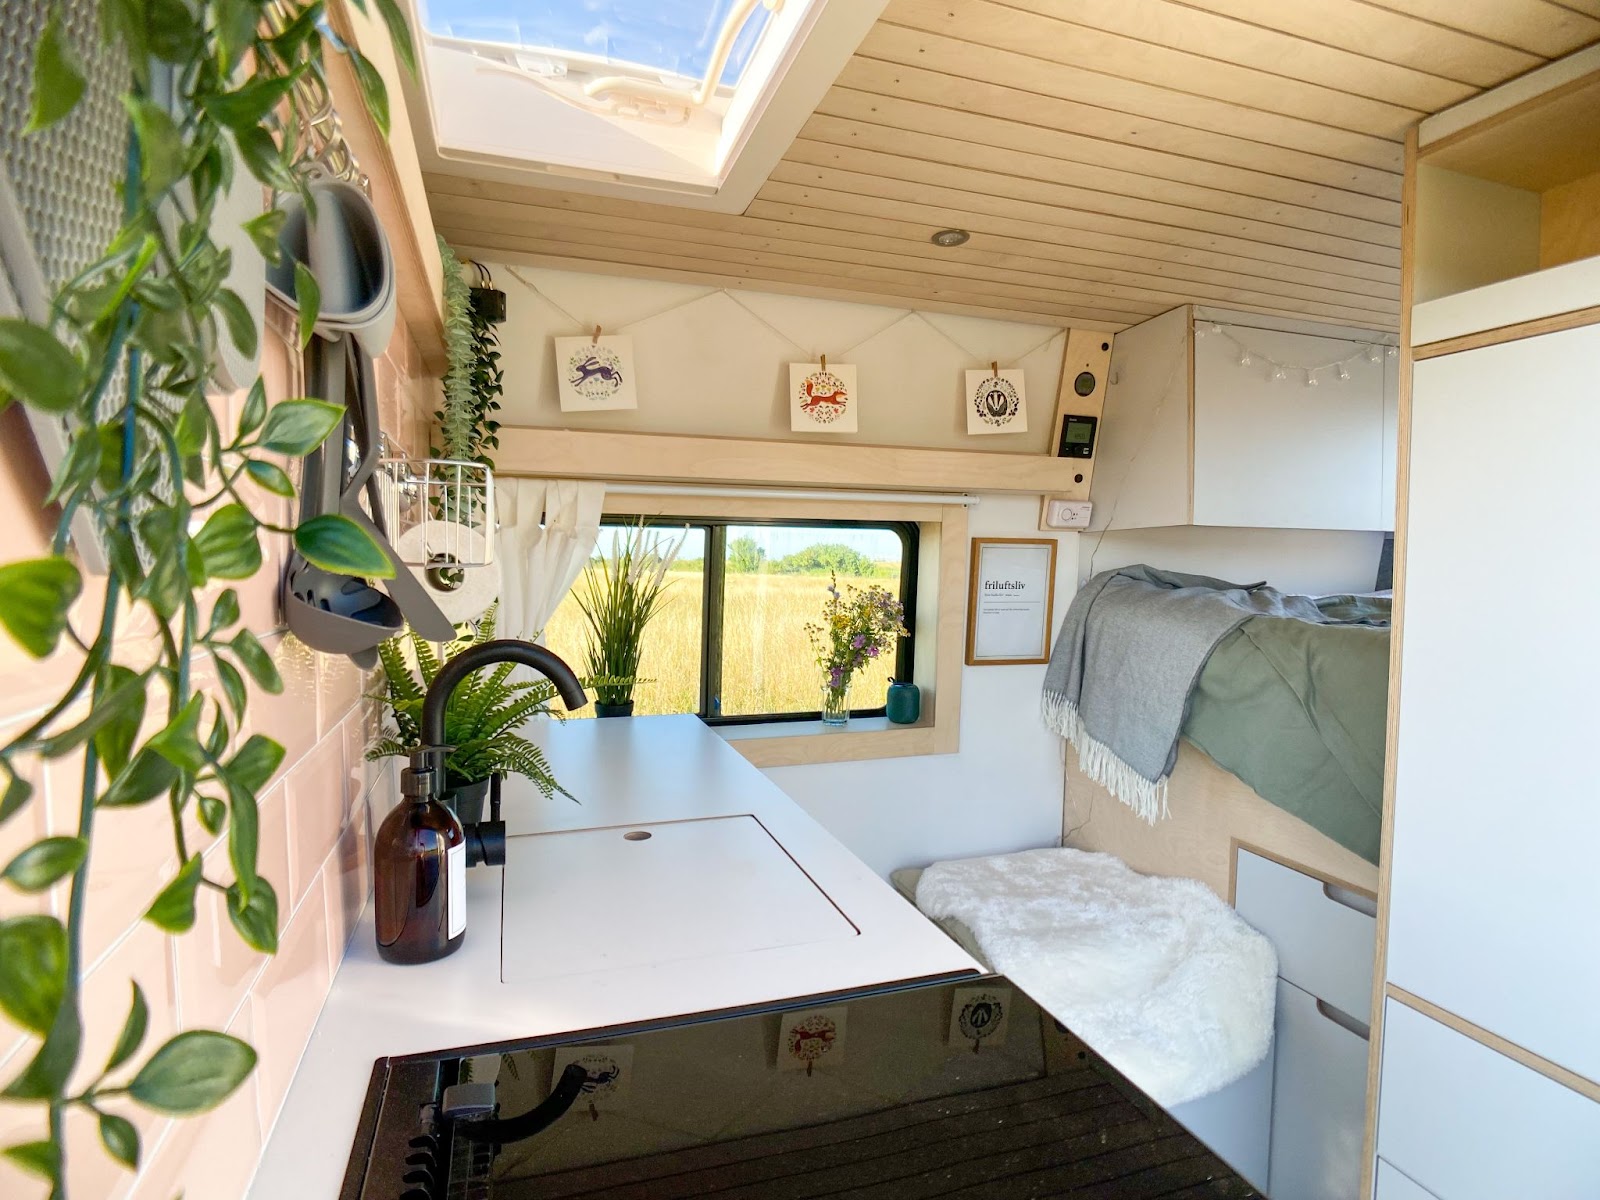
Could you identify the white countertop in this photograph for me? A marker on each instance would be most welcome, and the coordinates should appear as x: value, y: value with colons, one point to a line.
x: 626, y: 772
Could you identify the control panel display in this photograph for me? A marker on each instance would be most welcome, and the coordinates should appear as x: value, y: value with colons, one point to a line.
x: 1077, y: 437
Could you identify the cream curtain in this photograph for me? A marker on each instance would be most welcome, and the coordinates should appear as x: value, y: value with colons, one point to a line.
x: 548, y: 529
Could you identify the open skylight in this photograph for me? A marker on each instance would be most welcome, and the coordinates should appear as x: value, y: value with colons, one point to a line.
x: 672, y: 38
x: 693, y: 99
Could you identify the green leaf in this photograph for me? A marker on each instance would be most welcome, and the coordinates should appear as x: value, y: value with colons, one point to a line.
x: 193, y: 1072
x: 373, y: 91
x: 228, y: 545
x: 249, y: 104
x: 37, y: 369
x: 33, y: 970
x: 270, y: 477
x: 120, y: 1139
x: 47, y: 860
x: 108, y: 706
x: 37, y: 1158
x: 173, y: 909
x: 264, y: 231
x: 297, y: 427
x: 213, y: 814
x: 133, y: 1030
x: 241, y: 325
x: 232, y: 686
x: 114, y: 742
x: 141, y: 781
x: 255, y: 409
x: 161, y: 144
x: 255, y: 915
x: 35, y: 595
x: 48, y: 1071
x: 399, y: 34
x: 224, y: 612
x: 336, y: 543
x: 244, y: 838
x: 17, y: 792
x: 262, y: 158
x: 179, y: 742
x: 57, y: 82
x: 254, y: 659
x: 79, y: 468
x: 308, y: 299
x: 254, y: 762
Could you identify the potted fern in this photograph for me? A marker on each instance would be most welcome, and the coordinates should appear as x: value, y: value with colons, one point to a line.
x: 481, y: 721
x: 619, y: 595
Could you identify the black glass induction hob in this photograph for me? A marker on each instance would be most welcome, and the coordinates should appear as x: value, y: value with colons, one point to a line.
x: 963, y: 1090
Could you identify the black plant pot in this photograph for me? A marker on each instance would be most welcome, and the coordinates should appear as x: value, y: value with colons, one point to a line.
x: 625, y: 709
x: 466, y: 801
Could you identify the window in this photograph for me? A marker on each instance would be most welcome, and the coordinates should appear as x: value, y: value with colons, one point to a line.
x: 730, y: 643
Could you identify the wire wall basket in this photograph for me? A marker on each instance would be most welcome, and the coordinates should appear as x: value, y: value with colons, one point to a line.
x: 439, y: 511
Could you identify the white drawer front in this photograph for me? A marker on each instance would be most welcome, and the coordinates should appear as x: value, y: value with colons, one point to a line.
x: 1325, y: 945
x: 1468, y: 1123
x: 1319, y: 1101
x: 1394, y: 1185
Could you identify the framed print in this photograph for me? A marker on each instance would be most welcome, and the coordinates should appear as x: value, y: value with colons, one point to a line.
x: 1010, y: 601
x: 595, y: 373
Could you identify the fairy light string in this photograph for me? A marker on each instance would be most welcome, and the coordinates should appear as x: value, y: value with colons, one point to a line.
x: 1277, y: 370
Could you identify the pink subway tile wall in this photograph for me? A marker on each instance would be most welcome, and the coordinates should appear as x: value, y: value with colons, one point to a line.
x: 317, y: 818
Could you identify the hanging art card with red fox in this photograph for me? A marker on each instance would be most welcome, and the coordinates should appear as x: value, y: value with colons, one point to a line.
x: 822, y: 398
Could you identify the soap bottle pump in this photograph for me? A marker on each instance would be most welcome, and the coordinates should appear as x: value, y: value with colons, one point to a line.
x: 420, y: 856
x: 420, y: 870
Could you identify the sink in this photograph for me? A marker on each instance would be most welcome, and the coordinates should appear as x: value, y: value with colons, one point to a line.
x: 631, y: 895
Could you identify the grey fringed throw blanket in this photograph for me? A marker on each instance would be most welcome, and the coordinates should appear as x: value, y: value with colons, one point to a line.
x: 1125, y: 660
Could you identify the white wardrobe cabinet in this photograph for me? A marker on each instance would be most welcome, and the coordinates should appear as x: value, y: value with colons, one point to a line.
x: 1209, y: 420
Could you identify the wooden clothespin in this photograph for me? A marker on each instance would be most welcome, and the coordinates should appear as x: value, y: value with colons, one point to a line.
x: 824, y: 359
x: 994, y: 369
x: 595, y: 340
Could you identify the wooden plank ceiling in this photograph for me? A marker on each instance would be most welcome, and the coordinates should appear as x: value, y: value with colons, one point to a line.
x: 1111, y: 159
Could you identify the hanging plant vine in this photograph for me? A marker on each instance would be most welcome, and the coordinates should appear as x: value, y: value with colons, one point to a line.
x: 473, y: 380
x: 165, y: 487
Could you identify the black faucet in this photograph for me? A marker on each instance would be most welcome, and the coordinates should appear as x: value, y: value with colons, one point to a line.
x: 424, y: 778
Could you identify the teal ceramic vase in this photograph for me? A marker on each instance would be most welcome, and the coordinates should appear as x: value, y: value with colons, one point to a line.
x: 904, y: 705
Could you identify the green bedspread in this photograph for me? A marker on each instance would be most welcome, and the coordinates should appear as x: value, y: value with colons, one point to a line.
x: 1298, y: 711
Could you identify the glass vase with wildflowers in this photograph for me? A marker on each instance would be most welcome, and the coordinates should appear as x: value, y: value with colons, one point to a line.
x: 858, y: 625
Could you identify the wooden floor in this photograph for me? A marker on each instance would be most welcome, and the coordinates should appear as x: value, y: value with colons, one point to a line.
x: 1084, y: 1133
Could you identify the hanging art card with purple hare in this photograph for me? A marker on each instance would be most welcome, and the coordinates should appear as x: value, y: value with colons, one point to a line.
x: 595, y: 373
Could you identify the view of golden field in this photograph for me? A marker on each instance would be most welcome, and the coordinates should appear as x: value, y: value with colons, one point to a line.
x: 768, y: 664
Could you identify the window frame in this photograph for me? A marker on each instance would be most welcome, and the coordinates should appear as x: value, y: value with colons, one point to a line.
x: 712, y: 599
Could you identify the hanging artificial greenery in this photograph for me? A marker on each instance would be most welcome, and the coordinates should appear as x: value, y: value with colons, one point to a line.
x: 166, y: 489
x: 473, y: 379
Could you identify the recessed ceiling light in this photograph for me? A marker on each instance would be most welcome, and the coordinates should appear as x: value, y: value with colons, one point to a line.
x: 950, y: 237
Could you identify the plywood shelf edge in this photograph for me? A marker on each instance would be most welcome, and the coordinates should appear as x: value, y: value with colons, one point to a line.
x: 676, y: 458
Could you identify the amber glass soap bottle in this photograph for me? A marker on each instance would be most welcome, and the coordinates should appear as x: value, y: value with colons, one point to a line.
x: 419, y: 876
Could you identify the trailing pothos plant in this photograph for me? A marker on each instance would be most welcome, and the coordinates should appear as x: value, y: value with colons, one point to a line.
x: 123, y: 361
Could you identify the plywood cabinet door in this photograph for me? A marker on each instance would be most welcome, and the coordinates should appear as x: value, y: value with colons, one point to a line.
x: 1277, y: 454
x: 1319, y: 1100
x: 1494, y: 896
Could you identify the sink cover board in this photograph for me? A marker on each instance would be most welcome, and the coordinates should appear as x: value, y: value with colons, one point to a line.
x: 600, y: 899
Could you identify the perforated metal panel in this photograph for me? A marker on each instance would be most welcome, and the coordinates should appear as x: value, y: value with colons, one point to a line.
x: 65, y: 177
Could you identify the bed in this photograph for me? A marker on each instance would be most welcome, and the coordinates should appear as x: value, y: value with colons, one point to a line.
x: 1298, y: 711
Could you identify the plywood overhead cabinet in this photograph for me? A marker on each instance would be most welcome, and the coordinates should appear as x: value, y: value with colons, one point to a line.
x: 1485, y: 1074
x: 1224, y: 418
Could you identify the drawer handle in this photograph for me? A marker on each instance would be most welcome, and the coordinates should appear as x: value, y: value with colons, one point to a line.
x: 1345, y: 1021
x: 1360, y: 901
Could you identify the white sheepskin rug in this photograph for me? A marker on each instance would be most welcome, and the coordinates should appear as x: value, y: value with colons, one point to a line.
x: 1163, y: 979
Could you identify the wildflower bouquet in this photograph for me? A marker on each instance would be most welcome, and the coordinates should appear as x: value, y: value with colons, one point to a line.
x: 857, y: 626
